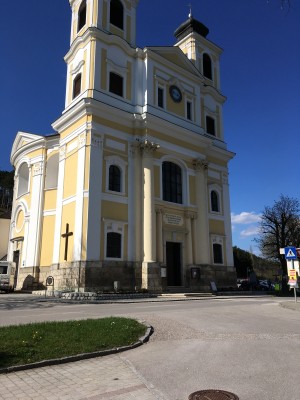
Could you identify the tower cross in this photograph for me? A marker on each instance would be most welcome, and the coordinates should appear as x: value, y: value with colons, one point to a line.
x: 190, y: 7
x: 66, y: 236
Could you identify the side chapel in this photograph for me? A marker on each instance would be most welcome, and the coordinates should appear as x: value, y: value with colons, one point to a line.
x: 131, y: 189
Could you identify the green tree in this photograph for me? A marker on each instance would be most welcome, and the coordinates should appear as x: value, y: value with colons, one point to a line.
x: 279, y: 228
x: 7, y: 179
x: 242, y: 262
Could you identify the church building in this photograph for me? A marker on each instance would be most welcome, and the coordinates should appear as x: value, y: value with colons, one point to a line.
x: 131, y: 190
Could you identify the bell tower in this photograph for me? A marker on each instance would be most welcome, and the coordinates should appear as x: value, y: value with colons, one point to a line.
x: 95, y: 25
x: 192, y: 39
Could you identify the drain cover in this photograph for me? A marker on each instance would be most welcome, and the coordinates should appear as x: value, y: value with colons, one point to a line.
x: 212, y: 395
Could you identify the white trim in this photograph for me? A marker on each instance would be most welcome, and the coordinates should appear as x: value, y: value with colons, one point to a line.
x: 117, y: 227
x: 49, y: 213
x: 217, y: 239
x: 121, y: 164
x: 215, y: 188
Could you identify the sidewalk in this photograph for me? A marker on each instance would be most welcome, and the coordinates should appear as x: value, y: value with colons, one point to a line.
x: 109, y: 378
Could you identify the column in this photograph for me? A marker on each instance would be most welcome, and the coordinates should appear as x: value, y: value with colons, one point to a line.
x: 149, y: 222
x: 93, y: 240
x: 189, y: 247
x: 159, y: 236
x: 79, y: 198
x: 59, y: 200
x: 36, y: 214
x: 202, y: 226
x: 227, y: 220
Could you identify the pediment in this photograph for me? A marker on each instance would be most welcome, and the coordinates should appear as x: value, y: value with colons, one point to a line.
x: 23, y: 139
x: 176, y: 57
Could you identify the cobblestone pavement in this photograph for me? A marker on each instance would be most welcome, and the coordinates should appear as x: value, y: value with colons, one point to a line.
x: 109, y: 378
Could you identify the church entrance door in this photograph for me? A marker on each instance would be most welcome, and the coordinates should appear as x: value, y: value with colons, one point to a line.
x: 173, y: 253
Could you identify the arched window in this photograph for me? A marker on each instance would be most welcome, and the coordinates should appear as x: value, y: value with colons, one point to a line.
x: 207, y: 66
x: 81, y: 15
x: 116, y: 84
x: 172, y: 182
x: 218, y: 253
x: 77, y: 86
x: 113, y: 245
x: 214, y: 201
x: 114, y: 178
x: 23, y: 179
x: 117, y: 13
x: 52, y: 172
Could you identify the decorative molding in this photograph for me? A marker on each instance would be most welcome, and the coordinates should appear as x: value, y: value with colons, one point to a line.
x: 62, y: 153
x: 200, y: 165
x: 77, y: 68
x: 225, y: 178
x: 82, y: 140
x: 96, y: 142
x: 38, y: 169
x: 147, y: 147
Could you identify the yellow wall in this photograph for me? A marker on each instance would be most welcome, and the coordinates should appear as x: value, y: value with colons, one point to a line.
x: 47, y: 240
x: 192, y: 183
x: 84, y: 227
x: 68, y: 216
x: 50, y: 199
x: 216, y: 227
x: 116, y: 211
x: 70, y: 182
x: 103, y: 69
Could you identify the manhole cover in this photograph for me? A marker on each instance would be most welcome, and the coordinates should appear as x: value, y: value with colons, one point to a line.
x: 212, y: 395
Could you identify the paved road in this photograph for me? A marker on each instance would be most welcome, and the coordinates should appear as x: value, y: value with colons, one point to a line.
x: 248, y: 346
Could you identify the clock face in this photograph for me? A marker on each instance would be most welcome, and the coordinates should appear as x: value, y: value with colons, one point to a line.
x: 175, y: 93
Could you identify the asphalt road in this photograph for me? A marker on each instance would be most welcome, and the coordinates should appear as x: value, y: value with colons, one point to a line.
x: 248, y: 346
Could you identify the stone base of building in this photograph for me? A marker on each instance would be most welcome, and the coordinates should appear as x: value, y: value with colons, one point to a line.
x: 108, y: 276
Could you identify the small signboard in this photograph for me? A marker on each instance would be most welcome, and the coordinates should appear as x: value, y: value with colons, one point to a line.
x: 292, y: 277
x: 290, y: 253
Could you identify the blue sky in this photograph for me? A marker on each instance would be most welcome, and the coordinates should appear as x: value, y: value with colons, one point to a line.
x: 260, y: 75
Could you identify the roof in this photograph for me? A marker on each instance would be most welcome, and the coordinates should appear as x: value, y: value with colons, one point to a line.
x: 189, y: 26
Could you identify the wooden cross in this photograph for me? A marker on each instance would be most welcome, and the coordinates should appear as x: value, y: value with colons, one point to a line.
x: 66, y: 236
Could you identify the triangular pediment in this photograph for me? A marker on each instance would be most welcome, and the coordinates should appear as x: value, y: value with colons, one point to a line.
x: 23, y: 139
x: 177, y: 57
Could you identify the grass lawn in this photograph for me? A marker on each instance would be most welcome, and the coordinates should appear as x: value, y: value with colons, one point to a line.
x: 25, y: 344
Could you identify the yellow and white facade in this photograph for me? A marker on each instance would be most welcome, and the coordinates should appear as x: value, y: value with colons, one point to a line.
x: 133, y: 185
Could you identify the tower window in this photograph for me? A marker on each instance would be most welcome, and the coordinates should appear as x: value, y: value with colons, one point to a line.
x: 116, y: 84
x: 218, y: 253
x: 210, y: 126
x: 113, y: 245
x: 114, y: 178
x: 172, y: 182
x: 189, y: 110
x: 207, y: 66
x: 81, y: 15
x: 77, y: 86
x: 214, y: 201
x: 117, y: 13
x: 160, y: 97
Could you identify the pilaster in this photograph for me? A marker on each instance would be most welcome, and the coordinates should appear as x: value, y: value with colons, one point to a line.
x: 202, y: 226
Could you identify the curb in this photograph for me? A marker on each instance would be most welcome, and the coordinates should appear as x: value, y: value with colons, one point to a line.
x: 79, y: 357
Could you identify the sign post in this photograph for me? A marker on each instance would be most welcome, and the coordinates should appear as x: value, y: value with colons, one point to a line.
x: 291, y: 254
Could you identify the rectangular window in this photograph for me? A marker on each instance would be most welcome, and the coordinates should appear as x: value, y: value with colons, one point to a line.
x: 116, y: 84
x: 218, y: 254
x: 189, y: 110
x: 113, y: 245
x: 160, y: 97
x: 210, y: 126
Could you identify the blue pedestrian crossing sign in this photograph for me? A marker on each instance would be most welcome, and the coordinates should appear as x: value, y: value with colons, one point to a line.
x: 290, y: 253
